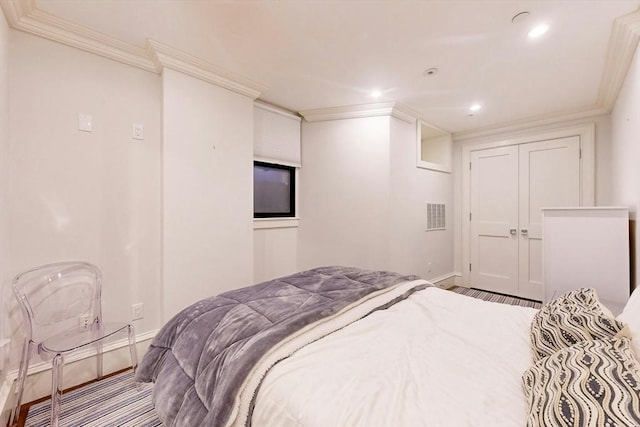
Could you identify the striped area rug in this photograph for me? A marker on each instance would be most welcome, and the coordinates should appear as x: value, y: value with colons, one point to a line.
x: 113, y: 401
x: 493, y: 297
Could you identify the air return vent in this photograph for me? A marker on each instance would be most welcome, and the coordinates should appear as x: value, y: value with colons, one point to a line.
x: 435, y: 216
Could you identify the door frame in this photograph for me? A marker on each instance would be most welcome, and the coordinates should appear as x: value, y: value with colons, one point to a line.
x: 586, y: 133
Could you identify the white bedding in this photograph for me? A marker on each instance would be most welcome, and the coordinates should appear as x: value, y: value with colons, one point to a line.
x: 436, y: 359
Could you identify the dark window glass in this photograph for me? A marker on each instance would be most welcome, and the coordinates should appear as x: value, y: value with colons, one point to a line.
x: 274, y: 189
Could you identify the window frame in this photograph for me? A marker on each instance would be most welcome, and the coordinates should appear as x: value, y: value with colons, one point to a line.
x: 291, y: 214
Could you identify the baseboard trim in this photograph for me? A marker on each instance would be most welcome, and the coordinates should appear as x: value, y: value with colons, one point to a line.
x: 85, y: 354
x: 41, y: 368
x: 5, y: 391
x: 446, y: 281
x: 458, y: 280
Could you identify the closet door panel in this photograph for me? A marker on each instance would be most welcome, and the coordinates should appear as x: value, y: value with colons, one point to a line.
x: 494, y: 219
x: 549, y: 176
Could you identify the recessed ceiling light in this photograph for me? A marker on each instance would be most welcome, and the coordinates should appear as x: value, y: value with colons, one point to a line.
x: 430, y: 72
x: 538, y: 30
x: 376, y: 94
x: 520, y: 17
x: 475, y: 107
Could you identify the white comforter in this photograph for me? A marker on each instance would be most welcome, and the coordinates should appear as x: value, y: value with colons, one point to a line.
x: 436, y: 359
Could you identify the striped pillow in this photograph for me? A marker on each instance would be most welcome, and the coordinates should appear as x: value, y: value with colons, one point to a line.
x: 592, y: 383
x: 574, y: 317
x: 585, y: 298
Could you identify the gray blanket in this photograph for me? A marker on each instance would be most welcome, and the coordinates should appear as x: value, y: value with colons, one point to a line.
x: 200, y: 359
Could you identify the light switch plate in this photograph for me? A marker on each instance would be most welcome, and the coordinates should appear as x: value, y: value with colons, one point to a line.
x: 84, y: 122
x: 137, y: 311
x: 138, y: 131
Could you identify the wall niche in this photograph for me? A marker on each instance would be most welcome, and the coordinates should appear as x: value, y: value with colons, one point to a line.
x: 434, y: 148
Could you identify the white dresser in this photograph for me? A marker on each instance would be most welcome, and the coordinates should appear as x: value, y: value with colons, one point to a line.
x: 587, y: 248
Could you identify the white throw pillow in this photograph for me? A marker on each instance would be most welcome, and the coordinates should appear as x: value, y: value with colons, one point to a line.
x: 631, y: 316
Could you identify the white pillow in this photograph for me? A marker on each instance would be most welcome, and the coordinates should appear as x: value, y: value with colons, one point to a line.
x: 631, y: 316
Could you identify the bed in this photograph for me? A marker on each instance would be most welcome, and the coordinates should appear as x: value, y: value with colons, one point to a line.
x: 339, y: 346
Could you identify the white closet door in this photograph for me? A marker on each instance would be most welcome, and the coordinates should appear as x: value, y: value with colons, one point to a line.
x: 494, y: 219
x: 549, y: 174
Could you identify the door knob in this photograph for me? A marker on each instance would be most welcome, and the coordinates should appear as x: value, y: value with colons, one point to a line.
x: 513, y: 231
x: 524, y: 231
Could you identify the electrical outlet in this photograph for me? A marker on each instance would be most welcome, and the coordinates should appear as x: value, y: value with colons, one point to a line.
x: 137, y: 311
x: 84, y: 321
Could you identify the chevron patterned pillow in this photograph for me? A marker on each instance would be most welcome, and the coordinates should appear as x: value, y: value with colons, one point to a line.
x: 592, y: 383
x: 574, y: 317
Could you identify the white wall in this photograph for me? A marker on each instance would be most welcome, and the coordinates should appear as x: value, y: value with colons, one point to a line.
x: 428, y: 254
x: 4, y: 141
x: 345, y: 203
x: 364, y: 199
x: 275, y: 253
x: 207, y: 190
x: 625, y: 150
x: 78, y: 195
x: 276, y: 138
x: 99, y: 196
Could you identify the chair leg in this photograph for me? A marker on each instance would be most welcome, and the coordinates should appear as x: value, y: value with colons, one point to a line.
x: 134, y: 356
x: 56, y: 389
x: 22, y: 374
x: 132, y: 348
x: 99, y: 358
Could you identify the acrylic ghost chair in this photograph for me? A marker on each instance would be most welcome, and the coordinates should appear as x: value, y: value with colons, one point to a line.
x: 61, y: 307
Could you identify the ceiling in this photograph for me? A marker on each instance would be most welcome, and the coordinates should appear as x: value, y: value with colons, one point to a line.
x: 316, y: 54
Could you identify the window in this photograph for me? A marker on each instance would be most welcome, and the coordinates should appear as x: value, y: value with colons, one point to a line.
x: 274, y: 189
x: 434, y: 148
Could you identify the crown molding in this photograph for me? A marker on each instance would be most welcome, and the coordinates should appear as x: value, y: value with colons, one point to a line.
x: 164, y: 56
x: 348, y: 112
x: 623, y: 44
x: 531, y: 122
x: 404, y: 113
x: 263, y: 105
x: 24, y: 15
x: 360, y: 111
x: 13, y: 10
x: 622, y: 47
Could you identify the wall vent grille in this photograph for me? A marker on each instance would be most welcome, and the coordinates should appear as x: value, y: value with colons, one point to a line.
x: 436, y: 216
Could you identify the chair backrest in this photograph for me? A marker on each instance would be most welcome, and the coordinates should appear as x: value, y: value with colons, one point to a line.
x: 54, y: 297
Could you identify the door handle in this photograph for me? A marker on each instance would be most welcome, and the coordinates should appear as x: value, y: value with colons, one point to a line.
x: 524, y: 231
x: 513, y: 231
